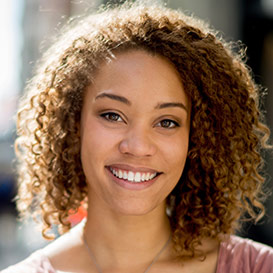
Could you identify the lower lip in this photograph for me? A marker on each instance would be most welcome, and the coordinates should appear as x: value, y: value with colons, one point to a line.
x: 132, y: 185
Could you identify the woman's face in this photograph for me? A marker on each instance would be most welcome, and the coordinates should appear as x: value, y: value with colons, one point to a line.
x: 134, y: 133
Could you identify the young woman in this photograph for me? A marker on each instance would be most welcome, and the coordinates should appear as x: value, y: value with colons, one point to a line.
x: 152, y: 122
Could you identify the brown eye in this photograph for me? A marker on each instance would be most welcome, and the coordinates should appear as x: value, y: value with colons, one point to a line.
x: 111, y: 116
x: 168, y: 124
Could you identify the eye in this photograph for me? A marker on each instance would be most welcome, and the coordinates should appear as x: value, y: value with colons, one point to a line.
x: 168, y: 124
x: 111, y: 116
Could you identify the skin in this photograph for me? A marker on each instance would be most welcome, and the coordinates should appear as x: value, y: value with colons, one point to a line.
x: 135, y: 117
x: 137, y: 140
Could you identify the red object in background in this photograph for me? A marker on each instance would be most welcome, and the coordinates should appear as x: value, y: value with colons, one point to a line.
x: 77, y: 217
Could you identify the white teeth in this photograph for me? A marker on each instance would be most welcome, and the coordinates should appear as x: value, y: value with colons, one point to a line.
x: 137, y: 177
x: 153, y: 176
x: 143, y: 176
x: 125, y: 176
x: 147, y: 177
x: 131, y: 176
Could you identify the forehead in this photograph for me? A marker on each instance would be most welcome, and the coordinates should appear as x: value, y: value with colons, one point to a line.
x: 137, y: 72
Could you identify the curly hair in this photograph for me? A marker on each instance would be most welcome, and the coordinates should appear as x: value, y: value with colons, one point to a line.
x: 221, y: 182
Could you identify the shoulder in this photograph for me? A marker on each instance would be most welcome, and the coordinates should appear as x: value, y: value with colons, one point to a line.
x: 35, y: 263
x: 240, y: 255
x: 56, y: 257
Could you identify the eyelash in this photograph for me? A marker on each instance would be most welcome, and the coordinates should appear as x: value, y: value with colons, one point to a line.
x: 174, y: 123
x: 107, y: 116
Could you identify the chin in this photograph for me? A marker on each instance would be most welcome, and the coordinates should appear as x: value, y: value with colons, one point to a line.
x: 135, y: 209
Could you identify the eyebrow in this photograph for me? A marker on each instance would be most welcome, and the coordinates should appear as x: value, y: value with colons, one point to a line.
x: 113, y: 97
x: 127, y: 102
x: 171, y: 104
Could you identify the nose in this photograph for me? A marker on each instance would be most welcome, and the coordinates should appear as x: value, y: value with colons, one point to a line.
x: 137, y: 142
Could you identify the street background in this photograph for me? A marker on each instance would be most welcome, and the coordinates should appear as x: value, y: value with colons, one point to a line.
x: 25, y: 26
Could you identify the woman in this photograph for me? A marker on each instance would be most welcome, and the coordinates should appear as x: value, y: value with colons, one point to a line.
x: 147, y: 118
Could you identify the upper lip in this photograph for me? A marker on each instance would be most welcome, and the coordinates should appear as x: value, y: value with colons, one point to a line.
x: 132, y: 168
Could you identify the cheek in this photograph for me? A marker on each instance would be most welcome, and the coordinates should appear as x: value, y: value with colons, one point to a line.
x: 94, y: 149
x: 96, y: 142
x: 175, y: 154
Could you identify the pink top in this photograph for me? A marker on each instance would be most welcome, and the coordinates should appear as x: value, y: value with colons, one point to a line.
x: 237, y: 255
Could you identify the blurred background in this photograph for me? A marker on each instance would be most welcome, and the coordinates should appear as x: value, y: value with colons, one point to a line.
x: 26, y: 24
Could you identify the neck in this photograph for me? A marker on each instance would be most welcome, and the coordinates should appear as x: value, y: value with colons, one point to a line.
x: 122, y: 239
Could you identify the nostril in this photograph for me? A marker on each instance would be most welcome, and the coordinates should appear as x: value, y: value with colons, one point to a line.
x: 137, y: 146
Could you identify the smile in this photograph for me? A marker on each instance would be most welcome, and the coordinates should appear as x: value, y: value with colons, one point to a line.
x: 135, y: 177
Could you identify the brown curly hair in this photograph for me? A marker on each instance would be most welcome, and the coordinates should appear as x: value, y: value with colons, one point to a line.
x: 221, y: 182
